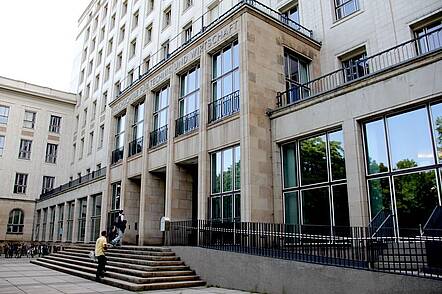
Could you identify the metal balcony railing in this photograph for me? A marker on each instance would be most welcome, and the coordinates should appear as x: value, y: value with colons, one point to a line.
x: 136, y: 146
x: 224, y: 107
x: 187, y: 123
x: 100, y: 173
x: 158, y: 137
x: 117, y: 155
x: 199, y: 26
x: 361, y: 68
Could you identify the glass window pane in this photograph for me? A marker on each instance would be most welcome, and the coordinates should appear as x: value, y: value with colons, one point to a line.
x: 337, y: 157
x: 216, y: 207
x: 376, y: 147
x: 227, y: 85
x: 315, y: 207
x: 227, y: 207
x: 340, y: 205
x: 235, y: 80
x: 216, y: 172
x: 410, y: 141
x: 238, y: 206
x: 289, y: 165
x: 416, y: 197
x: 291, y: 208
x: 313, y: 160
x: 227, y: 60
x: 379, y: 194
x: 235, y: 55
x: 227, y: 170
x: 436, y: 113
x: 237, y: 168
x: 216, y: 65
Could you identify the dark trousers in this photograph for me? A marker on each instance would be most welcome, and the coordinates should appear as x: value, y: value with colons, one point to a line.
x: 101, y: 266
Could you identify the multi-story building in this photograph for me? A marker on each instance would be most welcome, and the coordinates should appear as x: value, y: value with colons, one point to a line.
x: 35, y: 132
x: 302, y: 112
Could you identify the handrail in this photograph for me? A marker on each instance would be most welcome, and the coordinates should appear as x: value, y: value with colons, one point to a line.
x: 375, y: 63
x: 158, y: 57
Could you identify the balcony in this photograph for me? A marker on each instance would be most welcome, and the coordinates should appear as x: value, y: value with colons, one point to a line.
x: 199, y: 26
x: 187, y: 123
x: 98, y: 174
x: 136, y: 146
x: 117, y: 155
x: 158, y: 137
x: 362, y: 68
x: 223, y: 107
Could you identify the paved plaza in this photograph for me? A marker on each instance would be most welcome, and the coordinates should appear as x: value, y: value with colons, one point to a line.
x: 19, y: 276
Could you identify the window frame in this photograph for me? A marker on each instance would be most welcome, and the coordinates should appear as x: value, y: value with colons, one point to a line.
x: 55, y: 124
x: 20, y: 183
x: 14, y: 227
x: 29, y: 124
x: 4, y: 114
x: 25, y: 149
x: 51, y: 153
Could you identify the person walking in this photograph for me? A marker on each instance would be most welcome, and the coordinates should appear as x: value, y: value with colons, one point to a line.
x: 120, y: 224
x: 100, y: 248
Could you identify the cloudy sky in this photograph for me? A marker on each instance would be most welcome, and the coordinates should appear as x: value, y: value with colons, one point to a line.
x: 37, y: 40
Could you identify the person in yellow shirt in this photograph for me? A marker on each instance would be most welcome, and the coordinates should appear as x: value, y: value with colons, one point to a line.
x: 100, y: 248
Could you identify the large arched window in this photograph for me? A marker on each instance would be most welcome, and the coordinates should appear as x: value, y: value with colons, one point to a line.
x: 15, y: 222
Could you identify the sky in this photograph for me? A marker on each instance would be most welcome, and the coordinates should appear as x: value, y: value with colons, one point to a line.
x: 37, y: 40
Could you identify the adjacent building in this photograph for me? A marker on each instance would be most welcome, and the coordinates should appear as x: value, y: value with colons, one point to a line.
x: 35, y: 131
x: 320, y: 113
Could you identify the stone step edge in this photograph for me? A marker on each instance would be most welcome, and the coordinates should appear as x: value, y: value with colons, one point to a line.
x: 112, y: 253
x: 153, y: 268
x: 127, y: 247
x: 124, y: 251
x: 129, y: 260
x: 123, y: 284
x: 119, y: 269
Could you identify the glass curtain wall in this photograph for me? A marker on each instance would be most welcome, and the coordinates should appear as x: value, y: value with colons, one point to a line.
x: 82, y: 219
x: 225, y: 198
x: 403, y: 154
x: 188, y: 102
x: 60, y: 222
x: 70, y: 220
x: 314, y: 182
x: 52, y: 223
x: 95, y: 217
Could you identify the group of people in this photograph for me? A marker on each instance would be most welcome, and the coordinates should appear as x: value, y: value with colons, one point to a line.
x: 19, y: 250
x: 116, y: 234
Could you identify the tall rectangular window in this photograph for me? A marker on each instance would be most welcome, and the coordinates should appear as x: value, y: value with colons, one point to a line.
x: 188, y: 102
x: 20, y: 184
x: 51, y: 153
x: 110, y: 46
x: 48, y: 184
x: 96, y: 216
x: 84, y: 117
x: 345, y: 7
x: 2, y: 145
x: 124, y: 8
x: 101, y: 137
x: 355, y: 65
x: 116, y: 193
x: 136, y: 146
x: 97, y: 82
x: 429, y: 36
x: 70, y: 220
x: 122, y: 33
x: 135, y: 19
x: 45, y: 220
x: 94, y: 110
x: 112, y: 21
x: 91, y: 142
x: 118, y: 153
x: 146, y: 64
x: 296, y: 74
x: 55, y: 124
x: 104, y: 102
x: 25, y: 149
x: 148, y: 34
x: 133, y: 48
x: 160, y: 117
x: 4, y: 114
x: 165, y: 49
x: 314, y: 182
x: 291, y: 17
x: 167, y: 17
x: 225, y: 197
x: 107, y: 73
x: 29, y: 119
x: 119, y: 61
x: 187, y: 33
x: 225, y: 82
x: 82, y: 218
x: 187, y: 4
x: 80, y: 156
x: 60, y: 221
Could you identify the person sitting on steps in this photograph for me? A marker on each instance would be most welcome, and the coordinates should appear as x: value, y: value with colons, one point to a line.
x: 120, y: 224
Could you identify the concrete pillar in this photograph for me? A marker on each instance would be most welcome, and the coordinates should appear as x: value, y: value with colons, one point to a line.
x: 87, y: 232
x: 65, y: 223
x: 55, y: 233
x: 41, y: 233
x: 75, y: 221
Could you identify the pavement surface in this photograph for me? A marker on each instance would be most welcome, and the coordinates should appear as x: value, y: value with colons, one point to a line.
x: 17, y: 275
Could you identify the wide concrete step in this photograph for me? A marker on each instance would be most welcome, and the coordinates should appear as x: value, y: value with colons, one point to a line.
x: 128, y: 260
x: 123, y: 269
x: 120, y: 276
x: 127, y: 247
x: 121, y: 283
x: 126, y: 265
x: 126, y: 254
x: 123, y: 250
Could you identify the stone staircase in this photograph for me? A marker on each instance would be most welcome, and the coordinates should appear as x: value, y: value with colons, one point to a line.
x: 135, y: 268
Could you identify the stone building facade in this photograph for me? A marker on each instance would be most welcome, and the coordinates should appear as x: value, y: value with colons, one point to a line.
x: 35, y: 130
x: 262, y: 111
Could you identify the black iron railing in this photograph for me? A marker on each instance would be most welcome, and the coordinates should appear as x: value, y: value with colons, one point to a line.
x: 352, y: 247
x: 361, y: 68
x: 187, y: 123
x: 199, y: 26
x: 224, y: 106
x: 100, y: 173
x: 117, y: 155
x: 158, y: 137
x: 136, y: 146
